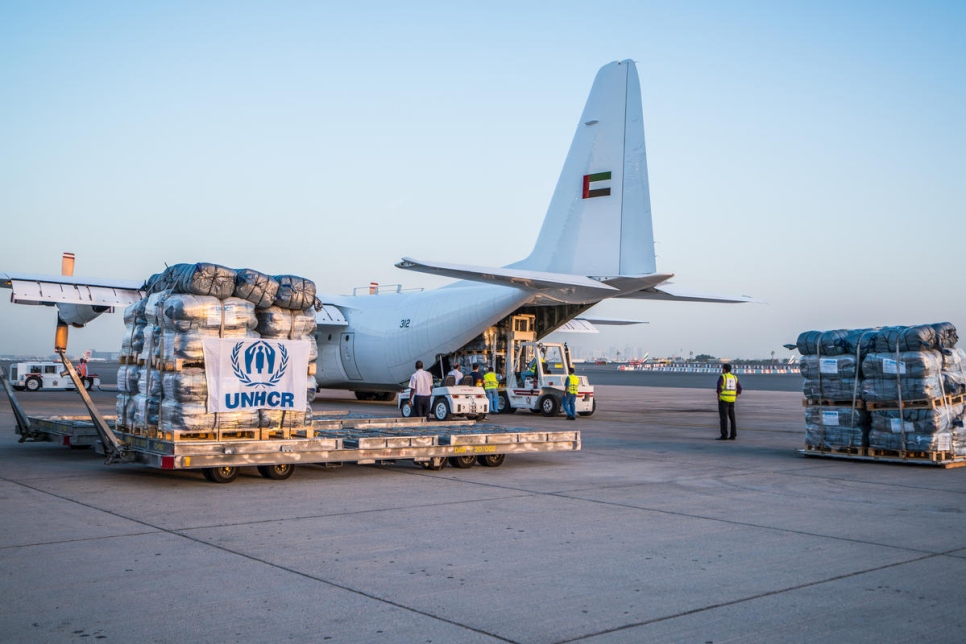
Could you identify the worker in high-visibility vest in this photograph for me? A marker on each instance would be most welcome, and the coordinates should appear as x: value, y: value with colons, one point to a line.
x: 491, y: 385
x: 570, y: 396
x: 728, y: 391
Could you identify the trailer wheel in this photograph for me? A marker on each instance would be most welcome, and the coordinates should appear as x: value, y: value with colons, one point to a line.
x: 593, y: 408
x: 32, y: 384
x: 225, y: 474
x: 88, y: 383
x: 505, y: 407
x: 435, y: 463
x: 549, y: 406
x: 278, y: 472
x: 462, y: 462
x: 406, y: 410
x: 491, y: 460
x: 441, y: 409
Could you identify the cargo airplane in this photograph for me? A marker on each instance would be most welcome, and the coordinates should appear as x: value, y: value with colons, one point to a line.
x: 596, y: 243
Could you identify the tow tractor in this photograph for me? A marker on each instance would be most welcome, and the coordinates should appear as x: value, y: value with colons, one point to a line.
x: 451, y: 400
x: 34, y: 376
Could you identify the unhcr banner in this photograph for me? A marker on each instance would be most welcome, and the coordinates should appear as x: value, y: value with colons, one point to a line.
x: 256, y: 374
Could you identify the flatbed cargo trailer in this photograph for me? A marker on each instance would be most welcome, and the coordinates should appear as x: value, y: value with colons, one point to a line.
x: 333, y: 438
x: 334, y: 441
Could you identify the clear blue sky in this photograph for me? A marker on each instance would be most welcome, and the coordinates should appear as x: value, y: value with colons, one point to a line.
x: 808, y: 154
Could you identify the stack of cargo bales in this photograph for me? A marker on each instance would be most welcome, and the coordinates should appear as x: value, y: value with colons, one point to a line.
x: 830, y: 365
x: 913, y: 386
x: 186, y: 304
x: 280, y: 323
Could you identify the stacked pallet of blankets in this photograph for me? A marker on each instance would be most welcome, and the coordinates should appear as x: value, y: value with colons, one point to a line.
x: 893, y: 389
x: 204, y: 353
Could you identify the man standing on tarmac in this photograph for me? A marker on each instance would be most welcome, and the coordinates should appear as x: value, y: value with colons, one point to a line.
x: 570, y: 397
x: 728, y: 391
x: 490, y: 385
x: 420, y: 391
x: 476, y: 375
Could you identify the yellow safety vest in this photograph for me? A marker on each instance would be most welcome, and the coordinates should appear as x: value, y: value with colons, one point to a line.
x: 729, y: 387
x: 490, y: 381
x: 572, y: 382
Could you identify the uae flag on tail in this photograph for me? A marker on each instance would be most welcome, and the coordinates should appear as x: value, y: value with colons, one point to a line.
x: 597, y: 185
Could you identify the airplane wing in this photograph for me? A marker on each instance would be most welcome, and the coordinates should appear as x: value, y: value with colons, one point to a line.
x: 672, y: 293
x: 31, y: 288
x: 610, y: 321
x: 589, y: 325
x: 535, y: 280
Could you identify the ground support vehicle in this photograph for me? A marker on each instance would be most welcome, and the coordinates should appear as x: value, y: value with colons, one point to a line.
x: 536, y: 374
x: 464, y: 401
x: 34, y: 376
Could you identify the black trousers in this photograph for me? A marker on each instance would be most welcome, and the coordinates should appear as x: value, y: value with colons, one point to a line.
x: 421, y: 406
x: 726, y: 412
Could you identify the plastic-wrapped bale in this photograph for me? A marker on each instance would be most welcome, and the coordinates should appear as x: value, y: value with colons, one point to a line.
x: 814, y: 367
x: 921, y: 337
x: 189, y: 347
x: 187, y: 313
x: 911, y: 441
x: 914, y: 376
x: 946, y: 335
x: 149, y: 381
x: 295, y: 293
x: 836, y: 427
x: 836, y: 342
x: 284, y: 420
x: 127, y: 378
x: 910, y: 364
x: 124, y: 408
x: 831, y: 389
x: 286, y: 324
x: 186, y: 386
x: 918, y: 421
x: 954, y: 371
x: 203, y: 279
x: 134, y: 323
x: 280, y: 323
x: 194, y: 417
x: 959, y: 441
x: 145, y: 411
x: 258, y: 288
x: 886, y: 390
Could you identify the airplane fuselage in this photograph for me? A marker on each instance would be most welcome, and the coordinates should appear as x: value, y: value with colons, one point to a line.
x: 386, y: 334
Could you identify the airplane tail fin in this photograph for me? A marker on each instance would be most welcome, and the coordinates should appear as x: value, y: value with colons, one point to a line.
x: 599, y: 220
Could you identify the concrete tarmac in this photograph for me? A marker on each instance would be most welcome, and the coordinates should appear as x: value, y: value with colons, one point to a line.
x: 654, y: 532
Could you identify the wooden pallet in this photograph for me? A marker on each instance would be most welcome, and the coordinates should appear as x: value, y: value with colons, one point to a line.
x: 855, y: 450
x: 911, y: 455
x: 176, y: 435
x: 824, y: 402
x: 175, y: 364
x: 946, y: 460
x: 928, y: 403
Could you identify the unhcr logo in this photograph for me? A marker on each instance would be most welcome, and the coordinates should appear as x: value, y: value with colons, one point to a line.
x: 260, y: 366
